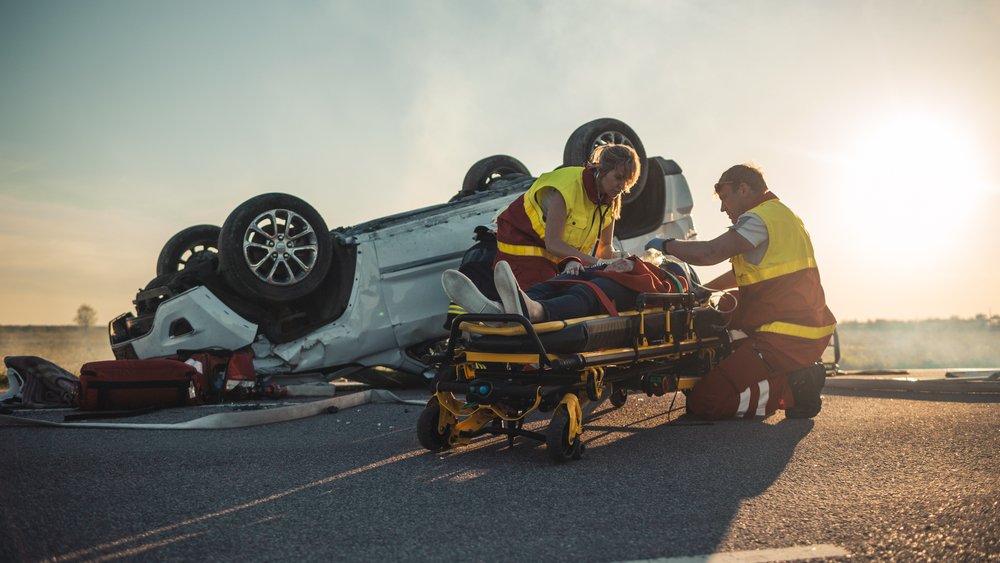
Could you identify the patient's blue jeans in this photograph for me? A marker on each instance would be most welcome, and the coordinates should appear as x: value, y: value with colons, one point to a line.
x: 568, y: 301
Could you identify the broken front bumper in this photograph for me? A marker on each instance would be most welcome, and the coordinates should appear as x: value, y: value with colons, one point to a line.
x: 193, y: 320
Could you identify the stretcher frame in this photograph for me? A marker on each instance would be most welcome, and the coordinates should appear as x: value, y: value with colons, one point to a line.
x: 479, y: 391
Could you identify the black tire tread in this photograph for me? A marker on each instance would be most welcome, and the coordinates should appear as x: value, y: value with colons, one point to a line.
x: 478, y: 177
x: 169, y: 259
x: 581, y: 143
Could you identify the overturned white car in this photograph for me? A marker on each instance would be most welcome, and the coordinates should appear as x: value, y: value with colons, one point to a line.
x: 312, y: 302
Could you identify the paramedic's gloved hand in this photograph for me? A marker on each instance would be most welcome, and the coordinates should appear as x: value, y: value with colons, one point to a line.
x: 657, y: 244
x: 573, y: 268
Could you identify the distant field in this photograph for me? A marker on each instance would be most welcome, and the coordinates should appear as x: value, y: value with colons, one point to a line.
x: 69, y: 347
x: 953, y: 343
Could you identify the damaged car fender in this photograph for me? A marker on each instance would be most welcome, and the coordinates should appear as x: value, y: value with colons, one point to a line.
x: 193, y: 320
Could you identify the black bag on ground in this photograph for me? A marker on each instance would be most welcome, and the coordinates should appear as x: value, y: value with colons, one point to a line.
x: 36, y: 382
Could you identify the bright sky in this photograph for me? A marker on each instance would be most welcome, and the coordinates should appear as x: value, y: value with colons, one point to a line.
x: 122, y: 122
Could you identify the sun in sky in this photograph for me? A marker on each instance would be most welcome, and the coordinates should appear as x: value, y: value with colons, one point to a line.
x: 909, y: 174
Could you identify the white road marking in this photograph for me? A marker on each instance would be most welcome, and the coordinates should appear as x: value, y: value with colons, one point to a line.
x: 797, y: 553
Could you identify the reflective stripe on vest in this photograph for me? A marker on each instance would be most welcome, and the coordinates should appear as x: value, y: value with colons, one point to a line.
x: 761, y: 274
x: 526, y: 250
x: 802, y: 331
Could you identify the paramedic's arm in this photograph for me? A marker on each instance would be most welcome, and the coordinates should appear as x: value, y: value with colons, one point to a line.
x: 604, y: 248
x: 555, y: 224
x: 708, y: 252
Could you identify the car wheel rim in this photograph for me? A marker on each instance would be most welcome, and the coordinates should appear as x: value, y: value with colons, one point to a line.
x: 197, y: 254
x: 496, y: 174
x: 280, y: 247
x: 611, y: 138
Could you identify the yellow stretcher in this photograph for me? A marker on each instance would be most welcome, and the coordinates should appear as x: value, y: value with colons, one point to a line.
x: 490, y: 379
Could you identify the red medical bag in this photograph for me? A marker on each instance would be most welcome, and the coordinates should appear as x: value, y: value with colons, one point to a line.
x: 134, y: 384
x: 228, y: 374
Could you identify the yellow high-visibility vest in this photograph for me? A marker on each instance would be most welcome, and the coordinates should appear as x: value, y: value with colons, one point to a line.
x: 782, y: 294
x: 583, y: 217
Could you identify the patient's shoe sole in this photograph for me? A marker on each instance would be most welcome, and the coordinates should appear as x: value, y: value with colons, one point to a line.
x: 510, y: 292
x: 463, y: 292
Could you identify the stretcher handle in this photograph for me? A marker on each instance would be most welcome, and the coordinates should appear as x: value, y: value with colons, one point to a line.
x: 661, y: 299
x: 456, y: 323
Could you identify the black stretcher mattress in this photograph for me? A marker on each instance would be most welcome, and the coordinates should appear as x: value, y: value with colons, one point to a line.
x: 607, y: 332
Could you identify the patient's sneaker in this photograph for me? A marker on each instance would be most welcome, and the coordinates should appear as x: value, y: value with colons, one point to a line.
x: 807, y: 384
x: 510, y: 292
x: 462, y: 291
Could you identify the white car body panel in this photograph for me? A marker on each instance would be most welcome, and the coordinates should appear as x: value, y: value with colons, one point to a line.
x: 363, y: 326
x: 213, y: 323
x: 412, y: 292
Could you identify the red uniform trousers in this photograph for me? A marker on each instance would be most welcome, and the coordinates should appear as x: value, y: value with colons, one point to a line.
x: 752, y: 380
x: 529, y: 270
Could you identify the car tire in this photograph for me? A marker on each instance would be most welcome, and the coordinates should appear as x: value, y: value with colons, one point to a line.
x: 274, y: 247
x: 194, y: 244
x: 644, y: 213
x: 482, y: 174
x: 605, y: 131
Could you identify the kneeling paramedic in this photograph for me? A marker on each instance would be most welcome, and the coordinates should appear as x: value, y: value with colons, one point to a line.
x: 780, y: 305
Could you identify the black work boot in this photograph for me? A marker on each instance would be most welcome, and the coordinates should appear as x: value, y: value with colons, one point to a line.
x: 806, y: 383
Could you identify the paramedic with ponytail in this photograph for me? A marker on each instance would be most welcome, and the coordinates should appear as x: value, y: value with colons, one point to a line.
x: 780, y: 305
x: 567, y: 213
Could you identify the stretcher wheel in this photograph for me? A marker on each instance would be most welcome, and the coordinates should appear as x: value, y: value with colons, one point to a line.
x: 593, y: 389
x: 557, y: 439
x: 427, y: 429
x: 619, y: 396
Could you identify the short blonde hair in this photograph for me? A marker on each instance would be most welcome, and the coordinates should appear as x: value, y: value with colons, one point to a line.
x: 606, y: 158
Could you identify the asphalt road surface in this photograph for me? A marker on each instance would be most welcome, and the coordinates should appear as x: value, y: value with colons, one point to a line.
x: 874, y: 477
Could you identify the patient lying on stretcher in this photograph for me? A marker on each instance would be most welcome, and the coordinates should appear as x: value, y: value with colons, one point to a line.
x: 599, y: 290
